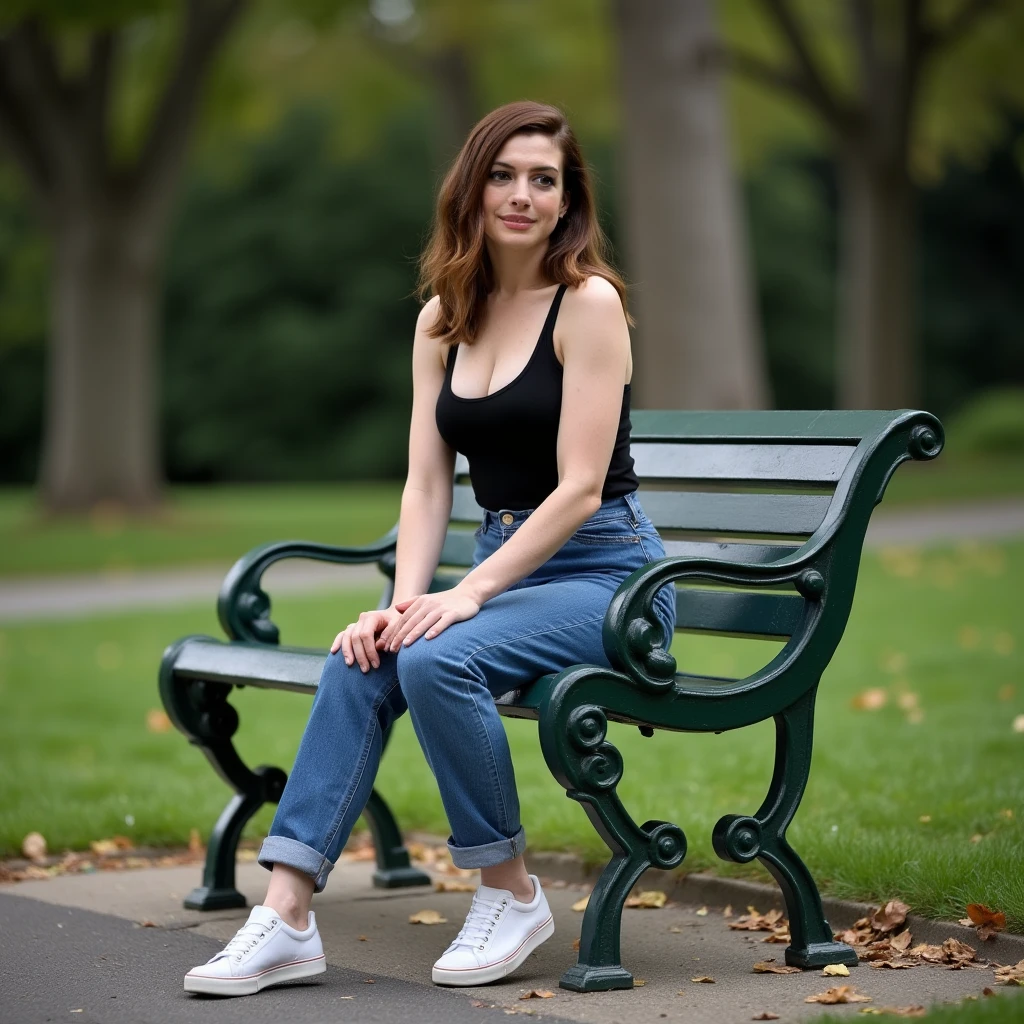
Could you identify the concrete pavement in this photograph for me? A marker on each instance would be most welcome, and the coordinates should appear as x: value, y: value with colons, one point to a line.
x: 115, y: 946
x: 56, y: 597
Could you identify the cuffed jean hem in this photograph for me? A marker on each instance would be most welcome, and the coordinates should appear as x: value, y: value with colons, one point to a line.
x: 488, y: 855
x: 292, y: 853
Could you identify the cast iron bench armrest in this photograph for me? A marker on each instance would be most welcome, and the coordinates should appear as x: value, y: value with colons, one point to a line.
x: 633, y: 640
x: 243, y: 607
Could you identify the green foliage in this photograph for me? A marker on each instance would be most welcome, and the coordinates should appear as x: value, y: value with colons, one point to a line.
x: 990, y: 424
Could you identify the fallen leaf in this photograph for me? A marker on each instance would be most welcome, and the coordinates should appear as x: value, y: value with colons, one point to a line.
x: 369, y: 981
x: 703, y: 980
x: 106, y: 847
x: 675, y: 929
x: 870, y: 700
x: 650, y: 899
x: 728, y: 910
x: 538, y: 993
x: 890, y: 916
x: 478, y: 1003
x: 195, y: 842
x: 988, y: 922
x: 894, y: 965
x: 1006, y: 692
x: 908, y: 701
x: 752, y: 921
x: 765, y: 1015
x: 445, y: 885
x: 977, y: 837
x: 986, y: 992
x: 363, y: 938
x: 836, y: 971
x: 427, y: 917
x: 903, y: 1011
x: 703, y: 912
x: 1018, y: 724
x: 767, y: 967
x: 841, y: 994
x: 147, y: 924
x: 1006, y: 812
x: 1012, y: 974
x: 576, y: 945
x: 580, y: 905
x: 924, y: 819
x: 901, y: 942
x: 639, y: 981
x: 157, y: 720
x: 33, y: 846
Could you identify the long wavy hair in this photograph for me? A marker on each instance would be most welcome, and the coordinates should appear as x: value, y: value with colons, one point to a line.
x: 455, y: 264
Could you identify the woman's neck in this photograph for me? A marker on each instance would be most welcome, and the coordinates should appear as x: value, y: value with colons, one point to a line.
x: 516, y: 271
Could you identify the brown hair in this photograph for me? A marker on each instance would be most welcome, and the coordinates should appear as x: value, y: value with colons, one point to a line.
x: 455, y: 264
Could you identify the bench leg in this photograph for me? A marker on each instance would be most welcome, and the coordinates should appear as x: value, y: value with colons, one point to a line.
x: 741, y: 838
x: 393, y: 868
x: 590, y: 768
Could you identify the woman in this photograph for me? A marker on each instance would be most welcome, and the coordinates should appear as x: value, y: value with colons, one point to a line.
x: 521, y: 361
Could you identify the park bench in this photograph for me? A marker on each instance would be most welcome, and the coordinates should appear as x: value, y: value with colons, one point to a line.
x: 763, y: 515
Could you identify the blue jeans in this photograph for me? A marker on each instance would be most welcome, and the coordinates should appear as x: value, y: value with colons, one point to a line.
x: 544, y: 623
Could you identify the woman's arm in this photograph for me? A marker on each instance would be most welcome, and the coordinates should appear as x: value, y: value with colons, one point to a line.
x: 427, y: 496
x: 595, y: 357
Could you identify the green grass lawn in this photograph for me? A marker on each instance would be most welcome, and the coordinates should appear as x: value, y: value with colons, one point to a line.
x: 922, y: 798
x: 218, y: 524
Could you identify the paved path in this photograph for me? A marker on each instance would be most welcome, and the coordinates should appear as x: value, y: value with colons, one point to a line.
x: 75, y: 943
x: 55, y: 597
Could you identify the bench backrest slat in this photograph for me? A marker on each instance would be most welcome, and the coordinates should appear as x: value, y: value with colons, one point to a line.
x: 774, y: 463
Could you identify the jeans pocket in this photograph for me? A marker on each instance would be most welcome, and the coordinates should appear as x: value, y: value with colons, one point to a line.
x: 609, y: 530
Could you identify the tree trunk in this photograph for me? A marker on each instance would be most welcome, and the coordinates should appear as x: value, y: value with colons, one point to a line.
x: 698, y: 342
x: 877, y: 359
x: 101, y: 436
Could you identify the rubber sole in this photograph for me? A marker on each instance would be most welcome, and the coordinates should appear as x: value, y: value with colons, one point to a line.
x: 495, y: 972
x: 255, y: 982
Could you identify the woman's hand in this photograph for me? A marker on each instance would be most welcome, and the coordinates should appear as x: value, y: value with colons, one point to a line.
x: 356, y: 640
x: 428, y: 614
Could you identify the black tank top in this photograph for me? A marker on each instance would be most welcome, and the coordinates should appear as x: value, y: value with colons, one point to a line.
x: 509, y: 437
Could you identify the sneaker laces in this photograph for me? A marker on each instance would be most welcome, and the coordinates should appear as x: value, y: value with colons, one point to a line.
x: 247, y: 937
x: 480, y: 921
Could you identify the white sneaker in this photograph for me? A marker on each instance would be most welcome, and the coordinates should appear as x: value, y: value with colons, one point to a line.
x: 499, y: 934
x: 265, y: 951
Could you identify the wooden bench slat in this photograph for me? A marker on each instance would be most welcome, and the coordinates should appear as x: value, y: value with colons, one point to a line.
x: 732, y: 613
x: 785, y: 514
x: 775, y: 463
x: 759, y: 426
x: 726, y: 551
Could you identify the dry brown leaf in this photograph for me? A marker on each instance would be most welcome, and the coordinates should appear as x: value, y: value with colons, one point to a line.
x: 580, y: 905
x: 703, y: 912
x: 369, y: 981
x: 157, y: 720
x: 840, y: 994
x: 767, y: 967
x: 765, y: 1015
x: 728, y: 910
x: 836, y: 971
x: 33, y: 846
x: 576, y: 945
x: 195, y: 842
x: 890, y: 916
x: 988, y: 922
x: 901, y: 942
x: 538, y: 993
x: 752, y: 921
x: 894, y: 965
x: 903, y: 1011
x: 147, y: 924
x: 703, y: 980
x: 447, y: 885
x: 427, y: 917
x: 1012, y: 974
x: 870, y: 700
x: 106, y: 847
x: 675, y: 929
x: 639, y: 981
x: 650, y: 899
x: 363, y: 938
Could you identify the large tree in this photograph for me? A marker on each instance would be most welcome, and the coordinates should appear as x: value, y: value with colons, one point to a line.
x: 106, y: 214
x: 866, y: 80
x: 698, y: 340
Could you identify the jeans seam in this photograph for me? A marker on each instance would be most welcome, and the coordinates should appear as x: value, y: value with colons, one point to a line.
x: 493, y: 766
x: 357, y: 774
x: 525, y: 636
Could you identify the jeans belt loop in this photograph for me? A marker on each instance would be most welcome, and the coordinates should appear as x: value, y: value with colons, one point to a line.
x: 632, y: 503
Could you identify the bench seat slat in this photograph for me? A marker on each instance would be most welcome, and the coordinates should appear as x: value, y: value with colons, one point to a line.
x: 733, y: 613
x: 728, y: 552
x: 278, y: 668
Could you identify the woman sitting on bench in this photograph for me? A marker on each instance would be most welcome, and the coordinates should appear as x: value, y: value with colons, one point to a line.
x: 521, y: 361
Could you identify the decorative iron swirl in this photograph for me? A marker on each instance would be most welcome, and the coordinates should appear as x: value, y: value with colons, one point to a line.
x: 587, y: 728
x: 667, y: 844
x: 214, y: 718
x: 737, y: 837
x: 600, y: 770
x: 811, y: 584
x: 252, y: 609
x: 925, y: 443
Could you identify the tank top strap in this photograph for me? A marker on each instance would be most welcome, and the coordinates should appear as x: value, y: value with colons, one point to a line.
x: 549, y: 324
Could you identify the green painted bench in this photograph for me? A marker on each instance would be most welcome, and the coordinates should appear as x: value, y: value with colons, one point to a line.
x: 763, y: 515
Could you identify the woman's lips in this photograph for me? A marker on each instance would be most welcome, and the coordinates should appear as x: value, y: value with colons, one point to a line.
x: 516, y: 225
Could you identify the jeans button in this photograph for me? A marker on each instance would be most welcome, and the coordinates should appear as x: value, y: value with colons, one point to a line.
x: 507, y: 518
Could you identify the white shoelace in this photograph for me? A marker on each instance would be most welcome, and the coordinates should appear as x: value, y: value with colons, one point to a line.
x: 247, y: 937
x: 480, y: 921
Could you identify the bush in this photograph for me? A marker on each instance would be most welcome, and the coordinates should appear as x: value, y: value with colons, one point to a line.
x: 990, y: 424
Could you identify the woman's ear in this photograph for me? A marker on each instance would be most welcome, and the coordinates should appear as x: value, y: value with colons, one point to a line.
x: 565, y: 205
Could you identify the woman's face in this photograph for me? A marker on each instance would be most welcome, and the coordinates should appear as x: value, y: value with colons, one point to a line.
x: 524, y: 193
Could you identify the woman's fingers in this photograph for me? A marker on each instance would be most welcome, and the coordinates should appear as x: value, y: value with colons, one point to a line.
x: 426, y: 622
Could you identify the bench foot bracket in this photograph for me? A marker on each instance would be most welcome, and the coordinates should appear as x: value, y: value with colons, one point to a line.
x: 741, y: 838
x: 581, y: 978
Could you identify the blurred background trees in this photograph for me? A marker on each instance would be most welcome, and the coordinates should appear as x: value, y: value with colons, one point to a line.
x: 276, y: 263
